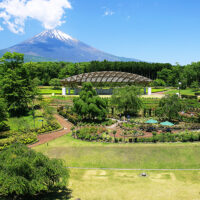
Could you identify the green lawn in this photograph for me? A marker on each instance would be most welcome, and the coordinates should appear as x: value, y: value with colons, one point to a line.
x: 185, y: 92
x: 26, y: 122
x: 159, y: 90
x: 129, y: 185
x: 50, y: 90
x: 77, y: 153
x: 97, y: 184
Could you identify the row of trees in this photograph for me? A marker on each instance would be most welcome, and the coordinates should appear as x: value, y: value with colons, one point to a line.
x: 169, y: 75
x: 46, y: 71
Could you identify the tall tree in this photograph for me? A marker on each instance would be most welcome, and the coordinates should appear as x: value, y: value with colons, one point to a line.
x: 89, y: 105
x: 169, y: 107
x: 26, y: 174
x: 17, y: 88
x: 127, y: 100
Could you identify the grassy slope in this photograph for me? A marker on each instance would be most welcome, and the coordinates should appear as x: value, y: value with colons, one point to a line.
x: 77, y: 153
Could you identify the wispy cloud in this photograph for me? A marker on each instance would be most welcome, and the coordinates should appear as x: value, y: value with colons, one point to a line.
x: 108, y: 13
x: 49, y: 12
x: 1, y: 28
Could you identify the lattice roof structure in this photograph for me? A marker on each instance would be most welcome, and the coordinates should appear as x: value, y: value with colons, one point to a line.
x: 106, y: 77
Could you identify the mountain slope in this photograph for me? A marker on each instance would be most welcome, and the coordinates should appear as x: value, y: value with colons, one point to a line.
x: 56, y: 45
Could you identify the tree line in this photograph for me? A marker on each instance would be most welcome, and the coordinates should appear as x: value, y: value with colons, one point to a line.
x: 165, y: 74
x: 44, y: 72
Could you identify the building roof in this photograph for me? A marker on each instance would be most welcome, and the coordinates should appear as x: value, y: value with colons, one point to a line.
x: 106, y: 77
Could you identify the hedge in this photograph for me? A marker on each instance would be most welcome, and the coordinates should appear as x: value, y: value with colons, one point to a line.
x: 171, y: 137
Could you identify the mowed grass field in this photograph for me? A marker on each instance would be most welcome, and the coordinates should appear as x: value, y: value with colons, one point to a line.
x: 129, y: 185
x: 98, y: 184
x: 77, y: 153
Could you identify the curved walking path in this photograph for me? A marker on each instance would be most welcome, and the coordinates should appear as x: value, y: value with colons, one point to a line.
x: 44, y: 138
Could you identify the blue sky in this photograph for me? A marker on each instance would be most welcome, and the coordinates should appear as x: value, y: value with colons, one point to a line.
x: 149, y: 30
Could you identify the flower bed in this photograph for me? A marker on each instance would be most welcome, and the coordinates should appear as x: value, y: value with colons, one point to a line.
x: 103, y: 135
x: 93, y: 134
x: 24, y: 137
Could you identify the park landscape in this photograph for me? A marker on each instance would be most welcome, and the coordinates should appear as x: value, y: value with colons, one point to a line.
x: 111, y: 146
x: 112, y: 113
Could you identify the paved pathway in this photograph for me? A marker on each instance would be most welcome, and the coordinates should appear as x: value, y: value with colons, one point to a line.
x: 44, y: 138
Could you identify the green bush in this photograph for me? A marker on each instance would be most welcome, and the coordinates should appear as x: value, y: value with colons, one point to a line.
x: 47, y: 128
x: 13, y: 137
x: 27, y: 138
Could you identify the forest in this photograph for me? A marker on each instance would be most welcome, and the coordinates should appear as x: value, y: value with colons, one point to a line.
x: 165, y: 74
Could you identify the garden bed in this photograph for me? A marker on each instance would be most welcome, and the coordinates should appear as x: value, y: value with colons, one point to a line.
x: 134, y: 135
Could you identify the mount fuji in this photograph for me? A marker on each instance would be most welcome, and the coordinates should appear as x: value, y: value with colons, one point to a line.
x: 54, y: 45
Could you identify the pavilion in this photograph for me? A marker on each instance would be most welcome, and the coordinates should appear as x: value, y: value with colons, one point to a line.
x: 104, y: 77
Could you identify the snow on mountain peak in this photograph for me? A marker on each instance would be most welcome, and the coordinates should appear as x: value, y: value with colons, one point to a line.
x: 55, y: 34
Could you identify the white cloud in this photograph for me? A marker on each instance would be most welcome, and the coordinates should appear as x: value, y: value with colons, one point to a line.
x: 49, y: 12
x: 1, y: 28
x: 108, y: 13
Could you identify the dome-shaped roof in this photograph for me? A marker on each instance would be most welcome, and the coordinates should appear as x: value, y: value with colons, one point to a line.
x: 105, y: 77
